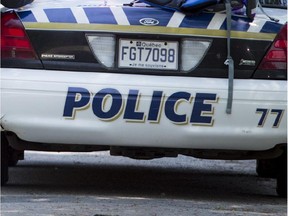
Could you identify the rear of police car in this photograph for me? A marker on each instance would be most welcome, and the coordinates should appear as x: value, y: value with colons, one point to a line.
x: 145, y: 82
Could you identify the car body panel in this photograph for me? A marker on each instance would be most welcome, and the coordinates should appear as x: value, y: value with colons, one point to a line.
x: 78, y: 101
x: 33, y: 104
x: 53, y: 24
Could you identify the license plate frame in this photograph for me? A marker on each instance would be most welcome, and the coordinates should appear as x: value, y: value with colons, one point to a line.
x: 148, y: 54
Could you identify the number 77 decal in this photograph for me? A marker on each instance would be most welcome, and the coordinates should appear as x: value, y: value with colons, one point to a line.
x: 264, y: 114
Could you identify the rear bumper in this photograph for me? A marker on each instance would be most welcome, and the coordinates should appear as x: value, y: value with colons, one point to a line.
x: 142, y: 111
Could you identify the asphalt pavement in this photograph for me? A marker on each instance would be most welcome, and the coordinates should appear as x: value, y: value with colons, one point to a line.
x: 97, y: 184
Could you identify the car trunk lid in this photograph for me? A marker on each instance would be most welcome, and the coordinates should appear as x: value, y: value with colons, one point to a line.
x: 85, y: 36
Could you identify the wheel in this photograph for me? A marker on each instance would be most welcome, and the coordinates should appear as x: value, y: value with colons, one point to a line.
x: 282, y: 175
x: 14, y: 156
x: 267, y: 168
x: 4, y: 159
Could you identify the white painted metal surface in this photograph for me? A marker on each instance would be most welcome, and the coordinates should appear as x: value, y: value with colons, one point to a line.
x: 33, y: 104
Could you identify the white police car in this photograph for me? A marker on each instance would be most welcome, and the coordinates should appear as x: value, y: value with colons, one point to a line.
x: 145, y: 81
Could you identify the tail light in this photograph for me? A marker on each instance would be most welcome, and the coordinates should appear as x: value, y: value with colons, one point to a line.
x: 14, y: 41
x: 276, y: 57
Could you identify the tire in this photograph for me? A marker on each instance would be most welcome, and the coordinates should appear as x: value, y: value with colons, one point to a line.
x: 267, y: 168
x: 282, y: 175
x: 4, y: 159
x: 14, y: 156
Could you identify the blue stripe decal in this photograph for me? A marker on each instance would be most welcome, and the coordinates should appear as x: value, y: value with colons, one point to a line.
x: 100, y: 15
x: 104, y: 15
x: 198, y: 21
x: 62, y: 15
x: 27, y: 16
x: 238, y: 24
x: 271, y: 27
x: 135, y: 14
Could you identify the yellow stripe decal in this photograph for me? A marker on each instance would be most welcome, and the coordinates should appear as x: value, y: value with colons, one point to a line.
x: 148, y: 30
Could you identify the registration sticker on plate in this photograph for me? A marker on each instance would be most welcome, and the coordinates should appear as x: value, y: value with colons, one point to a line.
x: 146, y: 54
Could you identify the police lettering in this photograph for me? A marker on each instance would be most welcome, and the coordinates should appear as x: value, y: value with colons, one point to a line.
x: 109, y: 104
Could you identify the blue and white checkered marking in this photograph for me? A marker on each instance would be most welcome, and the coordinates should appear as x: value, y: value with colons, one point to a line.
x: 131, y: 16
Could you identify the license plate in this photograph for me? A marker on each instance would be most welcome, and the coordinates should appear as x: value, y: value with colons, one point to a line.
x: 146, y: 54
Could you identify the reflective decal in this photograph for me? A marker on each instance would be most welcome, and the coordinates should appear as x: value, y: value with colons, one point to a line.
x: 263, y: 118
x: 276, y: 113
x: 156, y: 107
x: 172, y: 104
x: 279, y: 114
x: 109, y: 104
x: 100, y: 106
x: 204, y: 24
x: 203, y: 110
x: 180, y: 108
x: 77, y: 99
x: 131, y: 113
